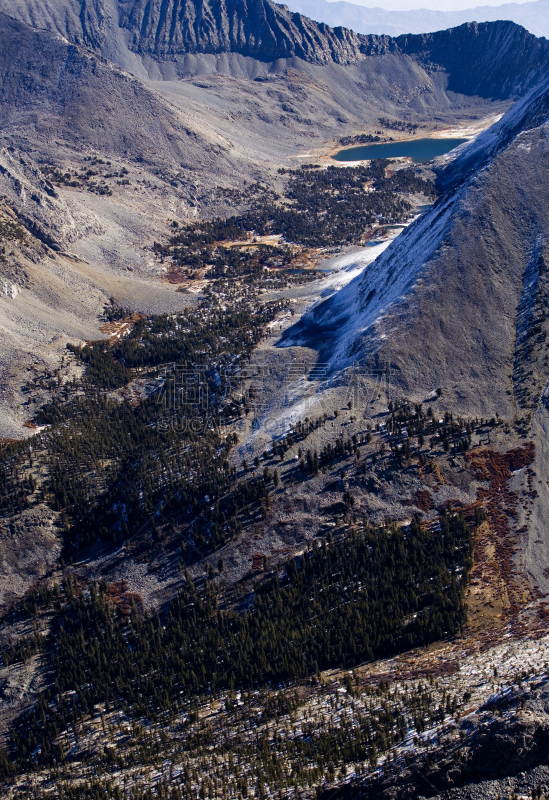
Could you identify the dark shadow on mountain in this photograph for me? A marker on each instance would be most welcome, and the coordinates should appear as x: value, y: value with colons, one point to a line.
x: 319, y: 329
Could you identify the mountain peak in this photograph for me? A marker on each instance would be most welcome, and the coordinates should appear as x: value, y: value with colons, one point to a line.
x: 491, y: 59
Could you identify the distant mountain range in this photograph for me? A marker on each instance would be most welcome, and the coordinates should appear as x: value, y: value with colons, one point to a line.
x: 532, y: 16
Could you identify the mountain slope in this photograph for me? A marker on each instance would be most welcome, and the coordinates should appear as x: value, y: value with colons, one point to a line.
x: 498, y: 59
x: 77, y: 241
x: 459, y: 303
x: 254, y: 28
x: 52, y: 88
x: 440, y: 305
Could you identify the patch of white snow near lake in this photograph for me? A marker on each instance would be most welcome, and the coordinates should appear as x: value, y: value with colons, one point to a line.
x: 348, y: 266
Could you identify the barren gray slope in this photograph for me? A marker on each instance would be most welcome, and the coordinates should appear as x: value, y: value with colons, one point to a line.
x: 52, y: 89
x: 301, y: 111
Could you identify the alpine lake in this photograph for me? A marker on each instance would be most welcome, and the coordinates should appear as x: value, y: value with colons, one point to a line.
x: 419, y: 150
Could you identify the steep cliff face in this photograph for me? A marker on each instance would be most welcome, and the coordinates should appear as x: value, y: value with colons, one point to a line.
x: 255, y: 28
x: 491, y: 59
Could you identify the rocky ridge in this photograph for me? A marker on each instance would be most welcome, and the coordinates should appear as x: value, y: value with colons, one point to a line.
x: 254, y: 28
x: 497, y: 60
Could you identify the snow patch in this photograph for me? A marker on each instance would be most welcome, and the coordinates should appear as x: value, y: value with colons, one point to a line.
x: 10, y: 290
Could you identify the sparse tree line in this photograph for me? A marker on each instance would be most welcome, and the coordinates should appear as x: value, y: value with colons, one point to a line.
x: 245, y: 753
x: 84, y: 178
x: 398, y: 125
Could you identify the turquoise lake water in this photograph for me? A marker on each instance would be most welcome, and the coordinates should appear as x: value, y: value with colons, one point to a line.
x: 418, y: 150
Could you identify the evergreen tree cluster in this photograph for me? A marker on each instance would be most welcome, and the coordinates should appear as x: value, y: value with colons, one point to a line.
x: 319, y: 208
x: 208, y: 335
x: 369, y: 594
x: 398, y: 125
x: 264, y: 743
x: 407, y: 421
x: 113, y: 469
x: 361, y: 138
x: 406, y: 181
